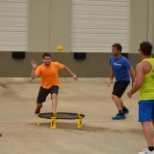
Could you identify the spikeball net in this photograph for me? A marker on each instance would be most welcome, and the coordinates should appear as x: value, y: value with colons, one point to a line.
x: 61, y: 115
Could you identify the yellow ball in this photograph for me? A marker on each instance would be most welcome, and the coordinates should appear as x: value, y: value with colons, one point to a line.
x: 59, y: 48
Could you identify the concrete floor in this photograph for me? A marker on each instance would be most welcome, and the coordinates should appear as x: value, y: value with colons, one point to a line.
x: 99, y: 135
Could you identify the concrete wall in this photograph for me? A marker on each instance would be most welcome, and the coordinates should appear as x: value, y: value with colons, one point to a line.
x: 95, y: 65
x: 50, y: 25
x: 141, y: 23
x: 39, y: 25
x: 60, y: 25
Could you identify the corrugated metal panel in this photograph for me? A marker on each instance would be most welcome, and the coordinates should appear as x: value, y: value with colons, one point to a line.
x: 97, y: 24
x: 13, y: 25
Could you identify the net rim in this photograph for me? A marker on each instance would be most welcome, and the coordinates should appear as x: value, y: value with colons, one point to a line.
x: 48, y: 115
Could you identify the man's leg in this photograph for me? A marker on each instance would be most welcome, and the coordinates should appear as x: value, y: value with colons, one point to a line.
x: 145, y: 116
x: 118, y: 90
x: 124, y: 108
x: 38, y: 107
x: 122, y: 103
x: 152, y: 121
x: 54, y: 102
x: 148, y: 133
x: 54, y: 95
x: 42, y: 94
x: 117, y: 102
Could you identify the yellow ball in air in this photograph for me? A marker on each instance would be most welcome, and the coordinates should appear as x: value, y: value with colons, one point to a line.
x: 59, y: 48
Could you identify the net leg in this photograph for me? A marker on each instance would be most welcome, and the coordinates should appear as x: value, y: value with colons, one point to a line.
x: 54, y: 120
x: 38, y: 120
x: 79, y: 121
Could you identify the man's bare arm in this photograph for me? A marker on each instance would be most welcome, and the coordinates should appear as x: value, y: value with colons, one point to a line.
x: 139, y: 79
x: 111, y: 77
x: 70, y: 72
x: 132, y: 74
x: 111, y: 73
x: 34, y: 65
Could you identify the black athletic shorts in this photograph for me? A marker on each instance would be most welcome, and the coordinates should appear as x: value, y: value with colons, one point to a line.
x: 120, y: 87
x: 43, y: 93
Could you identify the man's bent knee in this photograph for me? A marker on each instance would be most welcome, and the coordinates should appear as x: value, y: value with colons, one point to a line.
x: 114, y: 97
x: 54, y: 95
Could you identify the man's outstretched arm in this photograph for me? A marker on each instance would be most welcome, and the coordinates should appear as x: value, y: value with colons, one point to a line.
x: 70, y: 72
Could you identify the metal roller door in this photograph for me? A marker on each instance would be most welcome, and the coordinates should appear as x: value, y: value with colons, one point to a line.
x: 13, y: 25
x: 97, y: 24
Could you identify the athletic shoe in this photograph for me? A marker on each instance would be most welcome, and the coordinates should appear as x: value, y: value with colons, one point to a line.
x: 146, y: 151
x: 119, y: 116
x: 37, y: 111
x: 125, y: 111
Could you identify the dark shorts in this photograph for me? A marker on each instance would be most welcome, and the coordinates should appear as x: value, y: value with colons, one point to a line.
x: 119, y: 88
x: 43, y: 93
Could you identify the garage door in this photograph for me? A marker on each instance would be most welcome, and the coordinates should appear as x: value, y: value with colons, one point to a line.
x: 97, y: 24
x: 13, y: 25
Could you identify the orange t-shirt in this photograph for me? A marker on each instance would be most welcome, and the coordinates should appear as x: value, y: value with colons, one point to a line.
x: 49, y: 74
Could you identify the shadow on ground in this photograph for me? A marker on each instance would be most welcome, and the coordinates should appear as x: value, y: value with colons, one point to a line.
x: 86, y: 128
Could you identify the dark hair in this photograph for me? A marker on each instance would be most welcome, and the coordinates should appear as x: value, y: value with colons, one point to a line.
x: 118, y: 46
x: 46, y: 55
x: 146, y: 48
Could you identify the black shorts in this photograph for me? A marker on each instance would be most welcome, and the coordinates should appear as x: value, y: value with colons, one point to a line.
x: 119, y: 88
x: 43, y: 93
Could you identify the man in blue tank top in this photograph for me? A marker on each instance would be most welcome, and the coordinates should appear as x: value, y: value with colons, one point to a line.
x: 121, y: 69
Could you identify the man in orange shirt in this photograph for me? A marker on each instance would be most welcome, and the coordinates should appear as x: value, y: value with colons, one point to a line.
x: 48, y: 71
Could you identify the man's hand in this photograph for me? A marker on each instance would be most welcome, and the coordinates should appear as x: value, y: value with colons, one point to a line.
x: 133, y: 83
x: 110, y: 82
x: 34, y: 64
x: 132, y: 73
x: 129, y: 94
x: 75, y: 77
x: 71, y: 73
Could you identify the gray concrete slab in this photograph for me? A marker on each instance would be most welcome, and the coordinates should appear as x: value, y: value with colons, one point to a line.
x: 99, y: 135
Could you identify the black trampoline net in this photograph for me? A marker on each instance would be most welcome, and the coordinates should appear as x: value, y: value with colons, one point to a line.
x: 61, y: 115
